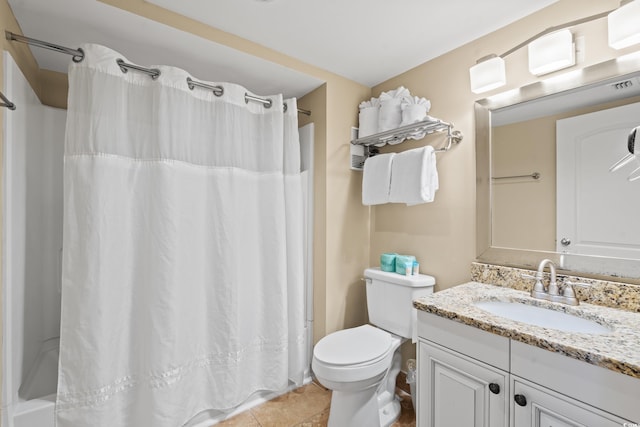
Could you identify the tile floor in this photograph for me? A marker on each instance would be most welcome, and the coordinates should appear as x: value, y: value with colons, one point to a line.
x: 307, y: 406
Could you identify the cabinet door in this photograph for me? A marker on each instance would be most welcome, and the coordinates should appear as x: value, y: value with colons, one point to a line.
x: 535, y: 406
x: 455, y: 390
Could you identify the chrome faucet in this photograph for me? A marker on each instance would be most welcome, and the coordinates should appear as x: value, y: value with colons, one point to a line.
x: 539, y: 290
x: 553, y: 292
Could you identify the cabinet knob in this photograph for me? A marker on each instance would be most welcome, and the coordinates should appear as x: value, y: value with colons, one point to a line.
x: 520, y: 399
x: 494, y: 388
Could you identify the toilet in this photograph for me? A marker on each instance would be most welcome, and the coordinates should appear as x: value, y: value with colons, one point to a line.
x: 360, y: 365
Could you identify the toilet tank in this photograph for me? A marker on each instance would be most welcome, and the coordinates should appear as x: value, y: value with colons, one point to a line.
x: 390, y: 299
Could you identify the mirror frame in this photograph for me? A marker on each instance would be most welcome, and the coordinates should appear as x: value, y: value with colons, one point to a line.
x: 627, y: 270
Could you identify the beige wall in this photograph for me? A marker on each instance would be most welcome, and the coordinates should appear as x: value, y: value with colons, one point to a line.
x: 341, y: 228
x: 524, y: 210
x: 442, y: 234
x: 53, y: 88
x: 316, y: 102
x: 521, y: 149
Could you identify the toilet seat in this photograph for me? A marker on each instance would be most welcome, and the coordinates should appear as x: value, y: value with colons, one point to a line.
x: 354, y: 354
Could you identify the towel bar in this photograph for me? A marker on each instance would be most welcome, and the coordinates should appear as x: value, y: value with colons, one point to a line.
x: 535, y: 175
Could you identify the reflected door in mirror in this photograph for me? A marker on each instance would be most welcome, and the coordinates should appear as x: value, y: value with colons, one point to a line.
x: 598, y: 212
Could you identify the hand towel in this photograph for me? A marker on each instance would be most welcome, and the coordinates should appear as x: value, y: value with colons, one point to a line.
x: 376, y: 179
x: 414, y: 176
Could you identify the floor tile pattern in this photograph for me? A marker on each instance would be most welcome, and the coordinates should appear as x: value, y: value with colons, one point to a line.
x: 307, y: 406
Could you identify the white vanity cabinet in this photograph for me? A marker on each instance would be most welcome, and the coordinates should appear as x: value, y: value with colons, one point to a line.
x: 459, y: 367
x: 460, y: 391
x: 536, y: 406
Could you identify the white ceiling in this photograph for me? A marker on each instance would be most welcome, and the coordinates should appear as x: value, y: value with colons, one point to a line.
x: 367, y: 41
x: 145, y: 42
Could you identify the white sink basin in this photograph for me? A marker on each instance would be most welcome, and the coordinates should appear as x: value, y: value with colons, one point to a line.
x: 544, y: 317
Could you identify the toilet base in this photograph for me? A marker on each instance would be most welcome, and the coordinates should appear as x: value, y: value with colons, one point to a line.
x: 390, y: 412
x: 388, y: 402
x: 358, y: 408
x: 350, y: 409
x: 374, y: 406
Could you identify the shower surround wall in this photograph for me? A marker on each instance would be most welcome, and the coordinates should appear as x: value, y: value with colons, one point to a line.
x: 32, y: 240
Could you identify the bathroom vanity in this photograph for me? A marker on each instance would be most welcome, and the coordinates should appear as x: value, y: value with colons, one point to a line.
x: 477, y: 368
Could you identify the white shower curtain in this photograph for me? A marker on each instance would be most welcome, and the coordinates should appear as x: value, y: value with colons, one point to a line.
x: 183, y: 242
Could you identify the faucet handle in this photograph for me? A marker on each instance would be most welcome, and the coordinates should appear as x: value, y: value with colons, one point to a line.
x: 578, y: 284
x: 538, y: 290
x: 569, y: 293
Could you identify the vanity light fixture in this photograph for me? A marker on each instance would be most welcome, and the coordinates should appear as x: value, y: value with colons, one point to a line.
x: 488, y: 73
x: 552, y: 52
x: 624, y: 31
x: 624, y: 25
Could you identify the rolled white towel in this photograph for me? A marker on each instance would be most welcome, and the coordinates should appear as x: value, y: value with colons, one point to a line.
x: 390, y: 115
x: 373, y: 102
x: 368, y: 121
x: 414, y: 109
x: 376, y: 179
x: 414, y: 176
x: 368, y: 118
x: 400, y: 92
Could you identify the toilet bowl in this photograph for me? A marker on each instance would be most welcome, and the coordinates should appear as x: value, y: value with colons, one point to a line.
x: 354, y: 364
x: 360, y: 364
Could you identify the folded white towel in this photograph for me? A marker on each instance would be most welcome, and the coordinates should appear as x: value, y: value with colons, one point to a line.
x: 376, y: 179
x: 414, y: 176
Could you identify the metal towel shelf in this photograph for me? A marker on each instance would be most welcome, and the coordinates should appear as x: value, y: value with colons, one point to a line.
x: 398, y: 135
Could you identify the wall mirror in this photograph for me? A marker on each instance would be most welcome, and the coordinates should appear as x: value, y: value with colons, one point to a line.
x: 544, y: 189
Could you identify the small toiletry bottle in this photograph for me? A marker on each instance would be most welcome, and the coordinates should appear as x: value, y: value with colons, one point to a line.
x: 416, y: 268
x: 408, y: 268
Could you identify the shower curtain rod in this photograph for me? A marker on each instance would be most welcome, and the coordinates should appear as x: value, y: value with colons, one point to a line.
x: 77, y: 55
x: 10, y: 105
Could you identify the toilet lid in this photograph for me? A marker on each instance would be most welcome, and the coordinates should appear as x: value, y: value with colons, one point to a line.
x: 353, y: 346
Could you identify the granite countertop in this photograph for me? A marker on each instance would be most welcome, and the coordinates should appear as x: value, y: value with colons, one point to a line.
x: 618, y: 351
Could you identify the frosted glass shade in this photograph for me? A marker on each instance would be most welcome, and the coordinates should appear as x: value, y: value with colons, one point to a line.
x: 552, y: 52
x: 487, y: 75
x: 624, y: 25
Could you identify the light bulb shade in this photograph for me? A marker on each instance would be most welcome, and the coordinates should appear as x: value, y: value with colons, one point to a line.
x: 487, y: 75
x: 624, y: 25
x: 552, y: 52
